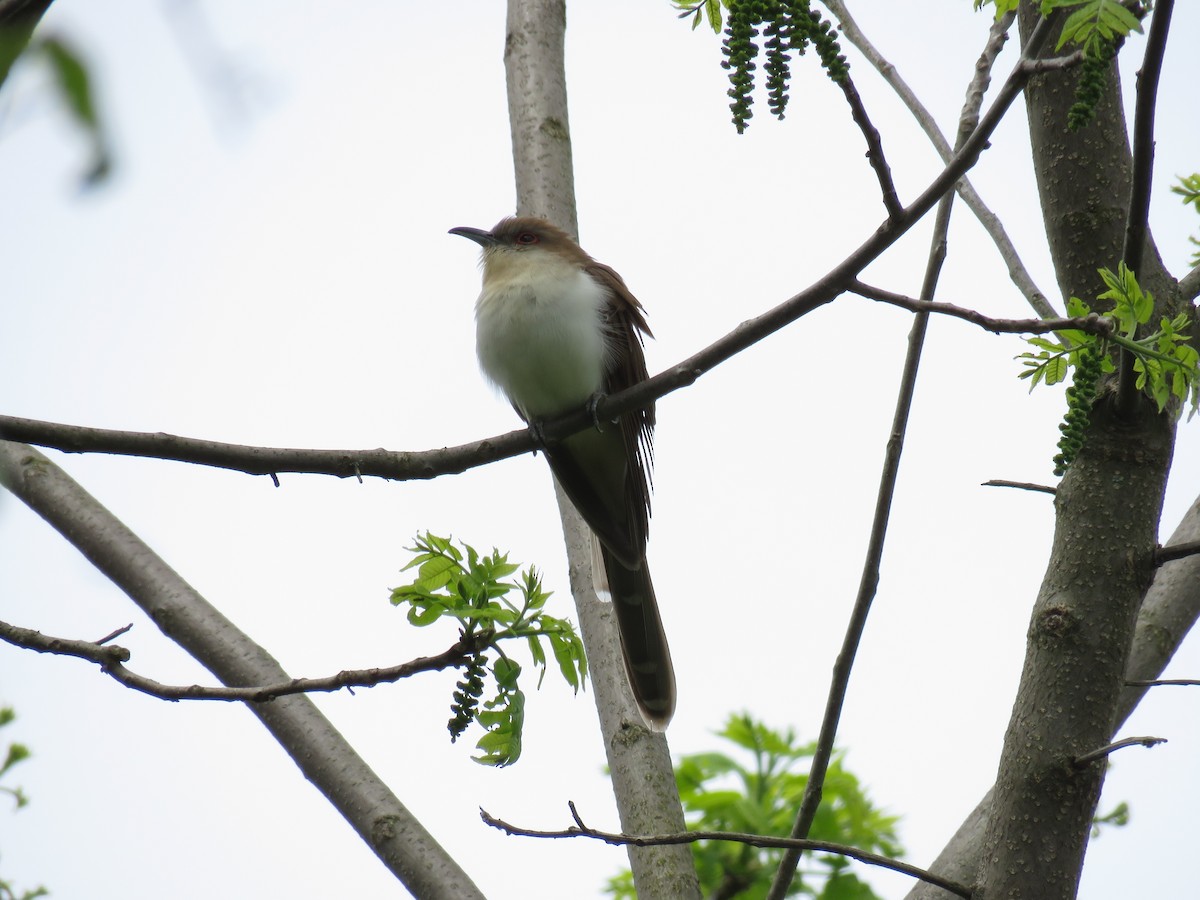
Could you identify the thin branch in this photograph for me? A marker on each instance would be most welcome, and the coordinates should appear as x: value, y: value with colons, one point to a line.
x: 1057, y: 63
x: 991, y: 222
x: 254, y: 460
x: 969, y: 128
x: 1021, y: 485
x: 1166, y: 682
x: 1103, y: 752
x: 1092, y: 324
x: 409, y: 465
x: 1136, y: 225
x: 112, y: 636
x: 875, y: 154
x: 431, y: 464
x: 1189, y: 285
x: 112, y: 659
x: 753, y: 840
x: 1176, y: 551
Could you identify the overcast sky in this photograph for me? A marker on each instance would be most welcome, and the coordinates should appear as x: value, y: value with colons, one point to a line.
x: 269, y: 264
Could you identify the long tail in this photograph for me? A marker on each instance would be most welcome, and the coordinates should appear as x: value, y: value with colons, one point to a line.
x: 643, y: 641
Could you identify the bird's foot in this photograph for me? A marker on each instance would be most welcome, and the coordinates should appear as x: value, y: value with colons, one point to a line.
x: 592, y: 403
x: 539, y: 436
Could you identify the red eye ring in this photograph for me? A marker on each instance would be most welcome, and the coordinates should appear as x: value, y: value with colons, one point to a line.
x: 527, y: 238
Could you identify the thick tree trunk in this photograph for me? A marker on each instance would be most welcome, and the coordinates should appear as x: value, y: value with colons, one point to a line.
x: 1108, y: 508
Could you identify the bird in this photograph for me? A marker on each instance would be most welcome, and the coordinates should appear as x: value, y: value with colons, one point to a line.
x: 555, y: 331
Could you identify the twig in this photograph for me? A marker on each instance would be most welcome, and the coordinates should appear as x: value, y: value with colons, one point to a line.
x: 875, y: 155
x: 1093, y: 323
x: 1021, y: 485
x: 1166, y: 682
x: 753, y: 840
x: 111, y: 660
x: 1143, y: 176
x: 1176, y: 551
x: 1101, y: 752
x: 991, y: 222
x: 116, y: 634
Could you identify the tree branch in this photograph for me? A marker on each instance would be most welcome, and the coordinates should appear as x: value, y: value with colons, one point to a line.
x: 753, y: 840
x: 324, y: 757
x: 1108, y: 749
x: 1189, y: 285
x: 410, y: 465
x: 1092, y: 324
x: 1176, y: 551
x: 991, y: 222
x: 377, y: 463
x: 1136, y: 222
x: 112, y: 659
x: 639, y: 760
x: 875, y: 154
x: 1021, y: 485
x: 430, y: 464
x: 869, y: 581
x: 1165, y: 682
x: 1167, y: 615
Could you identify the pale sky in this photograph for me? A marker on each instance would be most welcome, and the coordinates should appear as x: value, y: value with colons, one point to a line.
x: 269, y: 265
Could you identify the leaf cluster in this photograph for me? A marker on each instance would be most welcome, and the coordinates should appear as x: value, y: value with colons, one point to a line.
x: 15, y: 754
x: 1096, y: 28
x: 1166, y: 363
x: 1092, y: 23
x: 470, y: 588
x: 1189, y: 189
x: 757, y: 791
x: 1118, y: 817
x: 789, y: 27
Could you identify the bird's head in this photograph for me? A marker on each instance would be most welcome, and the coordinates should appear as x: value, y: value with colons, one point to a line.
x: 523, y: 241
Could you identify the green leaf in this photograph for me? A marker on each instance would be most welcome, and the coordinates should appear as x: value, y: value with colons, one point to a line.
x: 476, y: 597
x: 506, y: 672
x: 772, y: 778
x: 504, y: 719
x: 1044, y: 343
x: 1094, y: 20
x: 422, y: 614
x: 1056, y: 370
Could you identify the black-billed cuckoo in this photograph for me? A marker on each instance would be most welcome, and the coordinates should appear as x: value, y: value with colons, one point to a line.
x: 554, y: 330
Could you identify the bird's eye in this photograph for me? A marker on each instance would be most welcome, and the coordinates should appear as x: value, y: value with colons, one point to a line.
x: 527, y: 238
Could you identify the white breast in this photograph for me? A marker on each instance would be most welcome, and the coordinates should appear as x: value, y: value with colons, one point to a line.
x: 539, y: 333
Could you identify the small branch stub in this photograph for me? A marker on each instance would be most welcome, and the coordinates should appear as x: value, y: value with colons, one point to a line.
x: 1103, y: 752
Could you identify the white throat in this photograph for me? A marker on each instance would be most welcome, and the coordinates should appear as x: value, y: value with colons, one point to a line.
x: 540, y: 332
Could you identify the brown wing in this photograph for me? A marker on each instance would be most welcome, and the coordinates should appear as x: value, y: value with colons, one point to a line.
x: 628, y: 327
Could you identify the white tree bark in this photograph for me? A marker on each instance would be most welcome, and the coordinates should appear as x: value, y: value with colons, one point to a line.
x: 317, y: 748
x: 639, y: 760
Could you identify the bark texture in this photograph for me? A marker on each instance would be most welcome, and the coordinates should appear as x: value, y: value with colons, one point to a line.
x: 639, y: 760
x: 324, y: 757
x: 1107, y: 513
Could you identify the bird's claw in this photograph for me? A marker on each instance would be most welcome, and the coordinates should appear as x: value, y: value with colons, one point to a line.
x: 539, y: 436
x: 592, y: 404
